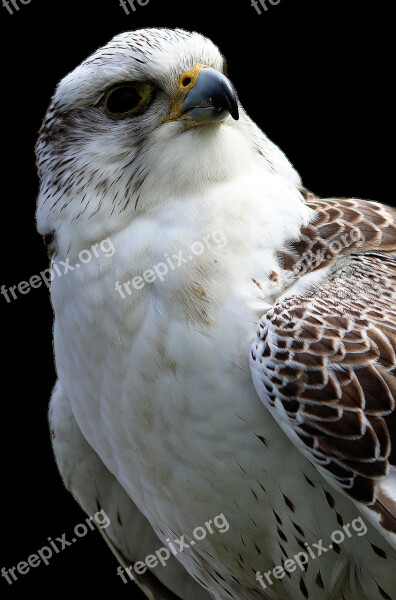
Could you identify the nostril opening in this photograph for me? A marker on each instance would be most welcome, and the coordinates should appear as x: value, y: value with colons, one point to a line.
x: 186, y: 81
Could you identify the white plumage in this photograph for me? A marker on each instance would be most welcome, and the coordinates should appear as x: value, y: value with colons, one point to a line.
x: 155, y: 414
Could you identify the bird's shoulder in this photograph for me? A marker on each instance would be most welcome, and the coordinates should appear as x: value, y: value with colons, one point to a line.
x: 339, y: 227
x: 324, y: 361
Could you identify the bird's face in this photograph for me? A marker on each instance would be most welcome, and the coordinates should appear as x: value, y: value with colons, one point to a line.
x: 149, y: 117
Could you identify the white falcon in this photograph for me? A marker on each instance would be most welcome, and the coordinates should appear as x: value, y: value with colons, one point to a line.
x: 235, y: 355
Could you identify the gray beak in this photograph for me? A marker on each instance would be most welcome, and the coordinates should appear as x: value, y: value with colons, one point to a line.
x: 212, y: 98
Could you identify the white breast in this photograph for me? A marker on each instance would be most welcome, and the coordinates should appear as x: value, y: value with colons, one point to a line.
x: 159, y: 380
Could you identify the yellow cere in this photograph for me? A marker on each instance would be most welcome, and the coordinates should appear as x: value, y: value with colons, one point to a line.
x: 186, y: 84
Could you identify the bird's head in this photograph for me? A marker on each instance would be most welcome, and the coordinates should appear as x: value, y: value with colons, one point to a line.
x: 149, y: 117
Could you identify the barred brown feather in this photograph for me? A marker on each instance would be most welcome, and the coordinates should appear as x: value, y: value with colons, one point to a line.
x: 324, y: 362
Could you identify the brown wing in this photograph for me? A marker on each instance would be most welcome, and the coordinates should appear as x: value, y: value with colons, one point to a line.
x: 325, y: 363
x: 340, y: 227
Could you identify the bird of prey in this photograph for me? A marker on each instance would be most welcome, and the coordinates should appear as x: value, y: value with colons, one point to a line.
x: 256, y: 379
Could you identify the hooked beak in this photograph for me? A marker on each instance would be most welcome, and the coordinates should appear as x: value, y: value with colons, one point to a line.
x: 207, y: 96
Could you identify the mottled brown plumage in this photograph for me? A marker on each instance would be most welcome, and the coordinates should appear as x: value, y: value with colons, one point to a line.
x: 342, y: 227
x: 328, y: 357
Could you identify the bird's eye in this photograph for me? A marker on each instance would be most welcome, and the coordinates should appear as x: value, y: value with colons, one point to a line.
x: 127, y: 99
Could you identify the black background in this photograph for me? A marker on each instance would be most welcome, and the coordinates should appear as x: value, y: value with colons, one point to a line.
x: 315, y: 75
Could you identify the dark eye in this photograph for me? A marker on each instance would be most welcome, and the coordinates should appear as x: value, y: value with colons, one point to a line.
x: 127, y: 99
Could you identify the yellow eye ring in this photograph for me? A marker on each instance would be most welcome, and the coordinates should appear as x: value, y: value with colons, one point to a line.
x: 127, y: 99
